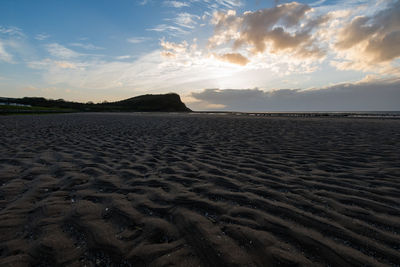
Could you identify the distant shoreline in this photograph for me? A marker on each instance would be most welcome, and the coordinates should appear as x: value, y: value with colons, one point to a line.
x: 304, y: 114
x: 351, y: 114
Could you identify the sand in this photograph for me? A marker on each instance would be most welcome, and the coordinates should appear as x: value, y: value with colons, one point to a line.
x: 198, y: 190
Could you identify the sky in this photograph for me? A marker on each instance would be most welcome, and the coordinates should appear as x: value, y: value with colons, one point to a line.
x: 255, y: 55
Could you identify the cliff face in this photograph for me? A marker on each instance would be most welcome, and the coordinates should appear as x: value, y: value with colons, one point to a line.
x: 144, y: 103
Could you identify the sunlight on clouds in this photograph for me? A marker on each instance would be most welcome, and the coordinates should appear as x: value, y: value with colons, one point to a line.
x: 370, y: 43
x: 235, y: 58
x: 176, y: 66
x: 283, y: 36
x: 302, y: 36
x: 235, y: 49
x: 286, y: 28
x: 123, y: 57
x: 147, y: 73
x: 175, y: 48
x: 187, y: 70
x: 215, y: 66
x: 227, y: 26
x: 53, y: 65
x: 65, y: 65
x: 184, y: 54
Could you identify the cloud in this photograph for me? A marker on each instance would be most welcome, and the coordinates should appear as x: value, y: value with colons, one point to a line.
x: 287, y: 28
x: 367, y: 95
x: 183, y: 23
x: 30, y: 88
x: 186, y: 20
x: 60, y: 51
x: 168, y: 28
x: 12, y: 31
x: 52, y: 65
x: 11, y: 38
x: 65, y: 65
x: 123, y: 57
x: 180, y: 54
x: 368, y: 42
x: 234, y: 58
x: 217, y: 4
x: 228, y: 3
x: 137, y: 40
x: 171, y: 48
x: 144, y: 2
x: 296, y: 32
x: 187, y: 68
x: 316, y: 3
x: 4, y: 55
x: 42, y: 36
x: 86, y: 46
x: 176, y: 4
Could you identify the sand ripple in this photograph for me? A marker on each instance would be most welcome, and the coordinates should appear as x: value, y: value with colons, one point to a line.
x: 190, y: 190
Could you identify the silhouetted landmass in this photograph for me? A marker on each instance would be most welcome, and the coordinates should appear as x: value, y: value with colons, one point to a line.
x: 144, y: 103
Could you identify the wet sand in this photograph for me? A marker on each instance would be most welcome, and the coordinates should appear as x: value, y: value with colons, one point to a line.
x: 198, y: 190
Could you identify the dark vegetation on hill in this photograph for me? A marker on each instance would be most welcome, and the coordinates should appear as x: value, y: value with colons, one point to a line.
x: 144, y: 103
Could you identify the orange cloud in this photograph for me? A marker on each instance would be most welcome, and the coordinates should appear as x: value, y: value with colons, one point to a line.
x: 175, y: 47
x: 172, y: 50
x: 168, y: 54
x: 65, y: 65
x: 234, y: 58
x: 369, y: 40
x: 284, y: 28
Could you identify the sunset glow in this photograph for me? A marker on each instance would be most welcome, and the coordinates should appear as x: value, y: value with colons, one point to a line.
x: 108, y: 51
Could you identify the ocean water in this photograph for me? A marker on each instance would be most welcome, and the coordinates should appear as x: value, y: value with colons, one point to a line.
x: 351, y: 114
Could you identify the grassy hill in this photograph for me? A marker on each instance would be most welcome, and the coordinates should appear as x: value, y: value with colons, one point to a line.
x: 144, y: 103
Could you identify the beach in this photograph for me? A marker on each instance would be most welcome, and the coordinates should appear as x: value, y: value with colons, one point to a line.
x: 153, y: 189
